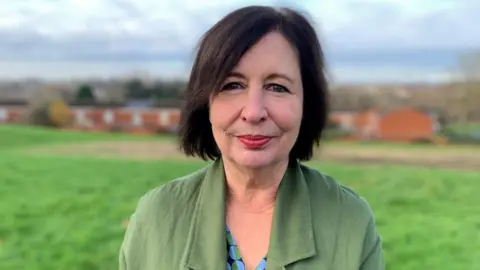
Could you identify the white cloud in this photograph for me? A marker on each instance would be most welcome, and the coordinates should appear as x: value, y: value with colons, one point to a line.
x: 400, y: 24
x: 74, y: 30
x: 369, y: 22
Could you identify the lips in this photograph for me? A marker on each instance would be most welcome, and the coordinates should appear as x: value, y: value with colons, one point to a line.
x: 254, y: 141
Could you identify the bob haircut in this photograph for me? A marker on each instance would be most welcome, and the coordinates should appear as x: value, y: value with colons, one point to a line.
x: 221, y: 48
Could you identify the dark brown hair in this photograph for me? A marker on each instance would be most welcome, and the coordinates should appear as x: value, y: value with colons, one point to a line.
x: 219, y: 51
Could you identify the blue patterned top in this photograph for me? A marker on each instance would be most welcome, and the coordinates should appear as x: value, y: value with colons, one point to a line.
x: 234, y: 260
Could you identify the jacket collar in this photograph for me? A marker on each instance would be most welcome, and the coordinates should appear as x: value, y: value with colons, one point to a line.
x: 292, y: 233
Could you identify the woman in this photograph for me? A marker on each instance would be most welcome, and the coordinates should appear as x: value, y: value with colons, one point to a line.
x: 256, y: 104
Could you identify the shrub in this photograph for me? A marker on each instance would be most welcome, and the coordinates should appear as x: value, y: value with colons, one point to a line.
x: 437, y: 140
x: 336, y: 134
x: 38, y: 110
x: 116, y: 128
x: 440, y: 140
x: 427, y: 140
x: 85, y: 95
x: 167, y: 130
x: 461, y: 137
x: 59, y: 114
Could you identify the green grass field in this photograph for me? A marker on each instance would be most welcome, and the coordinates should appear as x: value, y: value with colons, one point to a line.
x: 68, y: 212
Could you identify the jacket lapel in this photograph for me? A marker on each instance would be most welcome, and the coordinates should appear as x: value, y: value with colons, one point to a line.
x: 207, y: 243
x: 292, y: 237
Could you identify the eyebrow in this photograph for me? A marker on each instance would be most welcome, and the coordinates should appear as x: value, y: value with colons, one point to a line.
x: 269, y: 77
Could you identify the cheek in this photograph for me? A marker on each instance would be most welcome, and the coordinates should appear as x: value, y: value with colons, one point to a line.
x: 289, y: 117
x: 220, y: 114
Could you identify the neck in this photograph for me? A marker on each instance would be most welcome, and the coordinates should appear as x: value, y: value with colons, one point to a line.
x: 255, y: 190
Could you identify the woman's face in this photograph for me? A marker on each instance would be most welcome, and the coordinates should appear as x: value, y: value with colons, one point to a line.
x: 256, y: 115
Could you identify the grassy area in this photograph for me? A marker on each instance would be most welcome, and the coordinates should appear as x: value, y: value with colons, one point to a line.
x: 418, y: 147
x: 465, y: 128
x: 68, y: 212
x: 14, y: 137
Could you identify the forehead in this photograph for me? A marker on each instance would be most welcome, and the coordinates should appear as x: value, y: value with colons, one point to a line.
x: 272, y: 53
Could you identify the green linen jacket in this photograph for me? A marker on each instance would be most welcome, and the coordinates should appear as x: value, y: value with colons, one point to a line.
x: 318, y: 224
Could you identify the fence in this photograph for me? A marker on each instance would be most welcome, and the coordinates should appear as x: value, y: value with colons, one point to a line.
x: 85, y: 117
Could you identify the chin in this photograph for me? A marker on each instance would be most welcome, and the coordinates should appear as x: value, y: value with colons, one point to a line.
x: 255, y: 160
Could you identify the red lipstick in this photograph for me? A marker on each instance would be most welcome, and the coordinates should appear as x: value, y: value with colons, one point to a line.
x: 254, y: 141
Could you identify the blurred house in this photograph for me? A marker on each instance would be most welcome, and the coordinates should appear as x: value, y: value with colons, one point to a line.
x: 366, y: 125
x: 344, y: 120
x: 403, y: 124
x: 14, y: 100
x: 110, y: 109
x: 406, y: 125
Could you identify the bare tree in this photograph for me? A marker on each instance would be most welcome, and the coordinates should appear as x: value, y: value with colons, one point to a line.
x: 466, y: 97
x: 38, y: 102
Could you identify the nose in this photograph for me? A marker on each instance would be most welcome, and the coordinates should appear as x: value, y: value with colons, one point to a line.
x: 254, y: 110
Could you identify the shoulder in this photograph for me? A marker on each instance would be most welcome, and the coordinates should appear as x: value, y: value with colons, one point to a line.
x: 345, y: 217
x: 328, y: 192
x: 164, y: 210
x: 168, y: 198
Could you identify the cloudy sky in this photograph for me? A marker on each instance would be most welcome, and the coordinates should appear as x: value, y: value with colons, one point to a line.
x: 365, y: 40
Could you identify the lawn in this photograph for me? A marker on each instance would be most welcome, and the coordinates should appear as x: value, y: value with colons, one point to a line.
x: 69, y: 212
x: 22, y: 136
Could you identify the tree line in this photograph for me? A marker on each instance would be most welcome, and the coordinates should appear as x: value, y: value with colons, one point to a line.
x: 457, y: 102
x: 135, y: 89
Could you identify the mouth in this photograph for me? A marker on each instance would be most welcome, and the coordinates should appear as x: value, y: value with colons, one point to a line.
x: 254, y: 141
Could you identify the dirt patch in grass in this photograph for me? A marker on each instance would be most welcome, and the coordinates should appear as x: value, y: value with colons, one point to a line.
x: 117, y: 149
x: 436, y: 157
x: 339, y: 153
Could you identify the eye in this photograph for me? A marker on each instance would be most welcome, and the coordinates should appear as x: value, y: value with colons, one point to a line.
x: 277, y: 88
x: 231, y: 86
